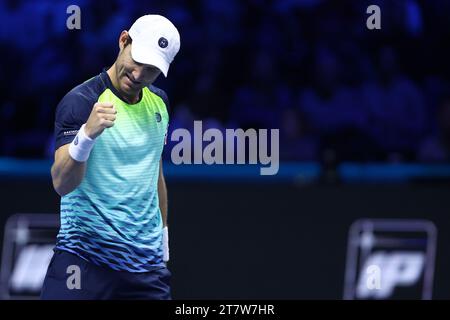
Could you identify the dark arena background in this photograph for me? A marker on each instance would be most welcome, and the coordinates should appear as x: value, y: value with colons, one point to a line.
x: 359, y: 208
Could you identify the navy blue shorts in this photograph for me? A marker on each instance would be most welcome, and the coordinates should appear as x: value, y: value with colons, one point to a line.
x: 70, y: 277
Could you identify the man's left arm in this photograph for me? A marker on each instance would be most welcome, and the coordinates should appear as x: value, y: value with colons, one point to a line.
x: 162, y: 194
x: 163, y: 206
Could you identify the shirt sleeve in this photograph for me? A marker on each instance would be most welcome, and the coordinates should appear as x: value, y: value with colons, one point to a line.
x: 166, y: 102
x: 71, y: 113
x: 163, y: 95
x: 167, y: 133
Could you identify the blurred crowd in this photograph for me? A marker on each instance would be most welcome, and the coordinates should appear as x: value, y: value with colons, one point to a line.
x: 308, y: 67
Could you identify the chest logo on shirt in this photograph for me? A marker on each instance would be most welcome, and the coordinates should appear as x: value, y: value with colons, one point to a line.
x: 158, y: 117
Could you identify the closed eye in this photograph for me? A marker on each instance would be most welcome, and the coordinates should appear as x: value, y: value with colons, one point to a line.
x: 147, y: 67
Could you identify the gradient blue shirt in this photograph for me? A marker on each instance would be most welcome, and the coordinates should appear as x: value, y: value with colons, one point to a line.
x: 113, y: 218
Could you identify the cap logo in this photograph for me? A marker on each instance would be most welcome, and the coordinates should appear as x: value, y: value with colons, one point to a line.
x: 162, y: 42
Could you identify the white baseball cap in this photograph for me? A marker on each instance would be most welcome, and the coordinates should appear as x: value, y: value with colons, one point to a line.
x: 156, y: 41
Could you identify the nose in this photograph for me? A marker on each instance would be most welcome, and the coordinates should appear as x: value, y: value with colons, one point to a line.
x: 138, y: 73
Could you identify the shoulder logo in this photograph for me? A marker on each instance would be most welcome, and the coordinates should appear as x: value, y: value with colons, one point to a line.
x: 158, y: 117
x: 76, y: 141
x: 162, y: 42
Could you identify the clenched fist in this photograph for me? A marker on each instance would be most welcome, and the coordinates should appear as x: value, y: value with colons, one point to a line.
x: 102, y: 116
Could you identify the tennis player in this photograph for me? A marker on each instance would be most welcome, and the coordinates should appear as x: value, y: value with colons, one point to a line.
x: 110, y: 132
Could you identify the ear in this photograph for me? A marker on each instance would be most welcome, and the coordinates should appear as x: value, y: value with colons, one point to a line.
x: 122, y: 38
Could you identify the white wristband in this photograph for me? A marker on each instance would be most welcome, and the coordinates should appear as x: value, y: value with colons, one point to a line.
x: 81, y: 146
x: 165, y: 244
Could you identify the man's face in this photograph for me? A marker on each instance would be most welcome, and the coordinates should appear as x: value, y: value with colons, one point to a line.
x: 131, y: 75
